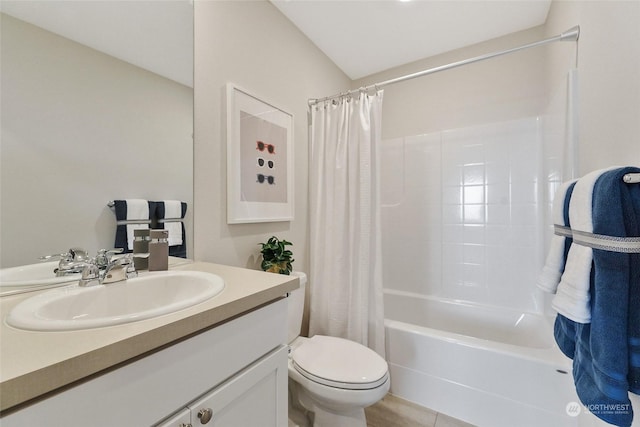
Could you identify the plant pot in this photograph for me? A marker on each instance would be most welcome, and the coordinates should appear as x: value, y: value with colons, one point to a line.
x: 279, y: 268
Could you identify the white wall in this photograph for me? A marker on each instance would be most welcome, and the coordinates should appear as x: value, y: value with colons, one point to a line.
x: 251, y: 44
x: 80, y: 128
x: 521, y: 84
x: 609, y: 84
x: 504, y: 88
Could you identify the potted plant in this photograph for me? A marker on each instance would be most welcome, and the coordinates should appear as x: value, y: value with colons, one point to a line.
x: 276, y: 258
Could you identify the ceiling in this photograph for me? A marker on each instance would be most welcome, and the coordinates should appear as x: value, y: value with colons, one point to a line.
x: 361, y: 37
x: 368, y: 36
x: 154, y: 35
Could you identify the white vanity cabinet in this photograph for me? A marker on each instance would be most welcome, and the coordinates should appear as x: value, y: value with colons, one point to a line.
x: 238, y: 370
x: 253, y: 397
x: 181, y: 419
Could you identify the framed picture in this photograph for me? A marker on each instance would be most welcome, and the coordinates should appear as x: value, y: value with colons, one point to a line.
x: 260, y: 165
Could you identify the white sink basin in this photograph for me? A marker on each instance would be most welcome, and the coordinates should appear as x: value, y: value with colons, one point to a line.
x: 149, y: 295
x: 40, y: 274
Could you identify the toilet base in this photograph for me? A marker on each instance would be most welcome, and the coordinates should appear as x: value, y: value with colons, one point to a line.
x: 353, y: 418
x: 318, y: 415
x: 298, y: 416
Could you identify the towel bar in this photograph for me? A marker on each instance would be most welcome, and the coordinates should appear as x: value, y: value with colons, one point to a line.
x: 111, y: 203
x: 631, y: 178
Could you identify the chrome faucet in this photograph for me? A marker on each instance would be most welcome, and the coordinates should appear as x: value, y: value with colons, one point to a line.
x: 90, y: 275
x: 119, y: 269
x: 96, y: 272
x: 71, y: 262
x: 105, y: 256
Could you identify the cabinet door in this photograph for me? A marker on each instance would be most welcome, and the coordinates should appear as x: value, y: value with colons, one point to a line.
x: 255, y: 397
x: 181, y: 419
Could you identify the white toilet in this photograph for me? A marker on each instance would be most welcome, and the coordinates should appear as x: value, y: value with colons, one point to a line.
x: 331, y: 380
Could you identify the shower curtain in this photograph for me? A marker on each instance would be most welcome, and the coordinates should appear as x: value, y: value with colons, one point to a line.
x: 345, y: 250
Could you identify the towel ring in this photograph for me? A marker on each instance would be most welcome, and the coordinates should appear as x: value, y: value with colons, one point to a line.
x: 631, y: 178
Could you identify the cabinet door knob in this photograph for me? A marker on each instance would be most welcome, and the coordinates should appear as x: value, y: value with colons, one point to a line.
x: 205, y: 415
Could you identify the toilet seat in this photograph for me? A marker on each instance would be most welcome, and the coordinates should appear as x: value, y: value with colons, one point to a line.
x: 339, y: 363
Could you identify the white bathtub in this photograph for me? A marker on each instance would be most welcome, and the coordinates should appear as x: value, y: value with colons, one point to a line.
x: 486, y: 366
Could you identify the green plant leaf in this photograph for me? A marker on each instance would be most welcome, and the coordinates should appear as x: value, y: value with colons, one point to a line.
x: 276, y: 257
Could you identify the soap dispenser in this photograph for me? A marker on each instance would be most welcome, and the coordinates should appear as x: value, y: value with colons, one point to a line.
x: 141, y: 248
x: 158, y: 250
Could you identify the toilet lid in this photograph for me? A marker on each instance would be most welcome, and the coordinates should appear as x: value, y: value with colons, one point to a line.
x: 340, y: 363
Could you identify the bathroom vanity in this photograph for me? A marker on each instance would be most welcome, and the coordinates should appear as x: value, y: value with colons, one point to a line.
x: 221, y: 362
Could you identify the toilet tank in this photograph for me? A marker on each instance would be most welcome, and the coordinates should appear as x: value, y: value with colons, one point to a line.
x: 296, y: 307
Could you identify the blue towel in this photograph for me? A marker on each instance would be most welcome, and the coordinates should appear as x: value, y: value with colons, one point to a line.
x: 122, y: 238
x: 174, y: 250
x: 606, y: 352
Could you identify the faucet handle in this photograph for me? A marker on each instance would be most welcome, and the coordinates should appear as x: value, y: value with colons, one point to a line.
x: 74, y: 254
x: 79, y: 255
x: 127, y: 261
x: 90, y: 273
x: 119, y: 269
x: 52, y: 257
x: 69, y: 262
x: 104, y: 256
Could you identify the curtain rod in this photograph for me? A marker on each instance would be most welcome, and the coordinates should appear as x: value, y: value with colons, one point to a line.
x: 571, y: 34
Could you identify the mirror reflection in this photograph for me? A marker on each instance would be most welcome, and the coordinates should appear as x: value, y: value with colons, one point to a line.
x: 97, y: 105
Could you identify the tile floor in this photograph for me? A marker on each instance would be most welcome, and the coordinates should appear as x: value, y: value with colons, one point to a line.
x: 393, y: 411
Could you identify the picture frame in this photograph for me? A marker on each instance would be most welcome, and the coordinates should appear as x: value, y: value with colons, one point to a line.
x: 260, y: 159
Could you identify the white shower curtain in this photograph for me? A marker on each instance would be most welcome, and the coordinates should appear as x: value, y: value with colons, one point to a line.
x: 346, y: 262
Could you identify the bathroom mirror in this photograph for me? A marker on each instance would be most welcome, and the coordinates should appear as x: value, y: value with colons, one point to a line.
x: 97, y: 105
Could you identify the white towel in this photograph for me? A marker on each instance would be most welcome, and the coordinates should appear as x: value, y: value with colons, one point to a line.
x: 173, y: 210
x: 572, y: 299
x: 137, y: 210
x: 554, y: 265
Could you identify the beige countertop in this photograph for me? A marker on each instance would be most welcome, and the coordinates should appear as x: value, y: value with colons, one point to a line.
x: 34, y: 363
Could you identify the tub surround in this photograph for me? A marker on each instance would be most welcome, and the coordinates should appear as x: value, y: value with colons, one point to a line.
x: 469, y: 199
x: 35, y: 363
